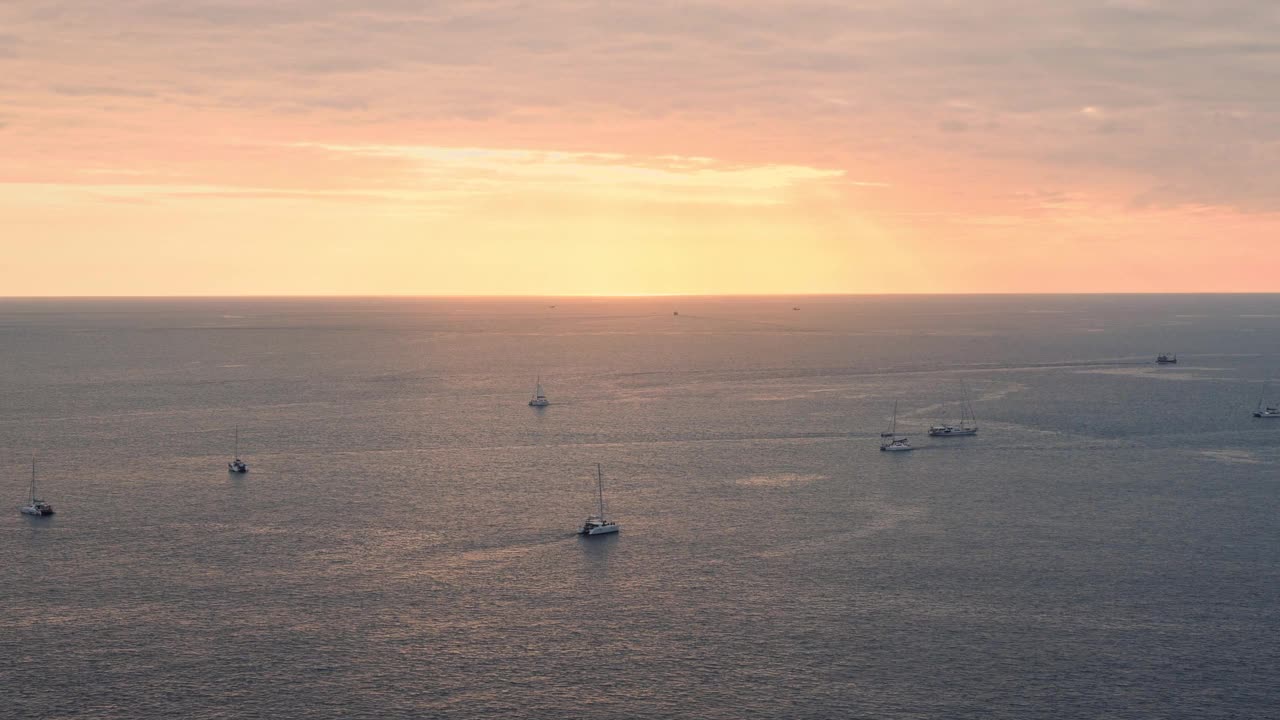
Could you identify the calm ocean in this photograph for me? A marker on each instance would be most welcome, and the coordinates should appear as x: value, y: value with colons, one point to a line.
x: 403, y: 545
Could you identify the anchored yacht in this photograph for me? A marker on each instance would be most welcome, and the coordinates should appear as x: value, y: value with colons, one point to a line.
x: 889, y: 441
x: 968, y: 424
x: 37, y: 506
x: 237, y: 465
x: 539, y: 397
x: 597, y: 524
x: 1266, y: 411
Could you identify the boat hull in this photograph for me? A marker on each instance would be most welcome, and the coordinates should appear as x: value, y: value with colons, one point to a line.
x: 36, y: 511
x: 952, y: 432
x: 896, y: 448
x: 538, y: 403
x: 605, y: 530
x: 1267, y: 416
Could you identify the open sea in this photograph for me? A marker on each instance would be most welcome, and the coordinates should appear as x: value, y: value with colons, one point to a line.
x: 403, y: 545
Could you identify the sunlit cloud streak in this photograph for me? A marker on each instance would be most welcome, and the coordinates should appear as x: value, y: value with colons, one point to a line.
x: 995, y: 145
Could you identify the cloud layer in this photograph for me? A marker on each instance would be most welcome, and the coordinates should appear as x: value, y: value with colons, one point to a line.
x: 1036, y: 131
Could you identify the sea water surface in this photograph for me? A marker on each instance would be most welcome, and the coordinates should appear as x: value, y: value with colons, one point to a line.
x: 403, y: 545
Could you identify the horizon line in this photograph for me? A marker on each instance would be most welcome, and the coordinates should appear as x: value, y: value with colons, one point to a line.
x: 510, y: 296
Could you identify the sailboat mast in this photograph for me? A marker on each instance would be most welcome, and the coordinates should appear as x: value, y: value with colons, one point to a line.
x: 600, y: 488
x: 893, y: 428
x: 33, y: 478
x: 237, y: 442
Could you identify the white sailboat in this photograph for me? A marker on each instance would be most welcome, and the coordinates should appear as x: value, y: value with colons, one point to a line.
x: 1263, y: 410
x: 539, y: 397
x: 237, y: 465
x: 968, y: 424
x: 597, y: 524
x: 37, y: 506
x: 889, y: 441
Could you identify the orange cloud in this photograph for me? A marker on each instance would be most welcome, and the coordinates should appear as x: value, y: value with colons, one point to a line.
x: 159, y: 148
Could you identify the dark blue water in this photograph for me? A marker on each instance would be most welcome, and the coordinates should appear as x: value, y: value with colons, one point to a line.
x: 403, y: 547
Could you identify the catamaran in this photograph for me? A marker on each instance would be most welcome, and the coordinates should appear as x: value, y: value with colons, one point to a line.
x: 237, y: 465
x: 968, y: 424
x: 597, y: 524
x: 889, y: 441
x: 37, y: 506
x: 539, y: 397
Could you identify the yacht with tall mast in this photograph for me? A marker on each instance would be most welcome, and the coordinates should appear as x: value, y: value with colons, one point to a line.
x: 1263, y: 410
x: 889, y: 441
x: 597, y: 524
x: 1267, y: 411
x: 539, y: 397
x: 37, y: 506
x: 237, y: 465
x: 968, y: 424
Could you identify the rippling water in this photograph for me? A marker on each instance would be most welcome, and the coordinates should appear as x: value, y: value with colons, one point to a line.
x: 1107, y: 547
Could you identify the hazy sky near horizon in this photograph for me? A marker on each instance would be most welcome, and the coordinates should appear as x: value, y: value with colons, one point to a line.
x: 581, y: 146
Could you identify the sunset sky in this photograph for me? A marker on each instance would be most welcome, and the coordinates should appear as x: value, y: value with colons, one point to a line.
x: 209, y: 147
